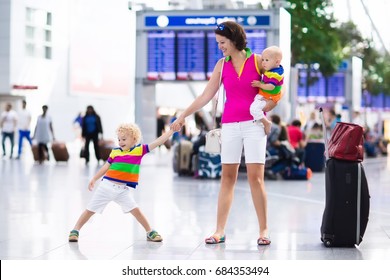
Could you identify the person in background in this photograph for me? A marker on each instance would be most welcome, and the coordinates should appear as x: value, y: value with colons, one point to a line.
x: 43, y: 133
x: 310, y: 122
x: 120, y: 178
x: 297, y: 139
x: 8, y: 122
x: 90, y: 130
x: 24, y: 123
x: 240, y: 68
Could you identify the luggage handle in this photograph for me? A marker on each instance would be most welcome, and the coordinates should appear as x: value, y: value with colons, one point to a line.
x: 324, y: 133
x: 359, y: 193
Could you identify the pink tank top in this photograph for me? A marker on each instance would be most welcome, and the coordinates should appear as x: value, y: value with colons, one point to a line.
x: 239, y: 92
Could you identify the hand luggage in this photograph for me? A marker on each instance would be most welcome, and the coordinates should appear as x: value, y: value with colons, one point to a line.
x: 182, y: 151
x: 60, y: 152
x: 346, y: 142
x: 347, y: 200
x: 105, y: 148
x: 297, y: 173
x: 209, y: 165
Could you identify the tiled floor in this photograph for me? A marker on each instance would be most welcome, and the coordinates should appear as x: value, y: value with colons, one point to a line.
x: 40, y: 204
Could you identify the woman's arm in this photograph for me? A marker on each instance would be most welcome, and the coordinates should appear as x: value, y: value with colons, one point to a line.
x: 208, y: 93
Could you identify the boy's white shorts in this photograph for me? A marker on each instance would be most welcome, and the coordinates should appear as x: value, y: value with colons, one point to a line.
x: 249, y: 135
x: 108, y: 191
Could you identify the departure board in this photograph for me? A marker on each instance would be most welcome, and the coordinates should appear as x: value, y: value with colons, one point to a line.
x: 257, y: 40
x: 336, y: 86
x: 161, y: 55
x: 213, y: 53
x: 317, y: 90
x: 191, y: 55
x: 321, y: 90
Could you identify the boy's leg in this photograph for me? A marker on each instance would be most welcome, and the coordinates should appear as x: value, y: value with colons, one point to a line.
x: 85, y: 216
x: 267, y: 125
x: 140, y: 217
x: 152, y: 235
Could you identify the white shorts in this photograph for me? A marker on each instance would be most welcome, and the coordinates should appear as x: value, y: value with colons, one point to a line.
x: 249, y: 135
x: 108, y: 191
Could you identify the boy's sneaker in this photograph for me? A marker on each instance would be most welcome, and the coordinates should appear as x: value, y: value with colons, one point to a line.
x: 74, y: 236
x: 153, y: 236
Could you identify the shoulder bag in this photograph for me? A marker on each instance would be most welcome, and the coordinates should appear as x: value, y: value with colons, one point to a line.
x: 213, y: 137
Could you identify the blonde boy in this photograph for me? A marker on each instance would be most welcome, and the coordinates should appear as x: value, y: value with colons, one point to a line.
x: 120, y: 176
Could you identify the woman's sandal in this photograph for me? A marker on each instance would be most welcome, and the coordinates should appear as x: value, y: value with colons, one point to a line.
x: 215, y: 239
x: 263, y: 241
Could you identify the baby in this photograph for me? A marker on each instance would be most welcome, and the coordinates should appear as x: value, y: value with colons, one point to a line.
x: 269, y: 87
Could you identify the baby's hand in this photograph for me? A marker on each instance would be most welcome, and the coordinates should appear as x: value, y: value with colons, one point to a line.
x: 256, y: 83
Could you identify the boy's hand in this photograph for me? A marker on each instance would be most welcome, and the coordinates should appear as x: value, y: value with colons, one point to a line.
x: 91, y: 185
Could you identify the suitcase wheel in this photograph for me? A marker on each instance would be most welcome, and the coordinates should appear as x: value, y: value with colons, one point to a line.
x: 328, y: 243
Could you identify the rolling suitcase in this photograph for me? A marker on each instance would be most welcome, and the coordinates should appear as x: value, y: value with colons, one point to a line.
x: 182, y: 151
x: 35, y: 152
x: 347, y: 199
x: 60, y: 152
x: 105, y: 148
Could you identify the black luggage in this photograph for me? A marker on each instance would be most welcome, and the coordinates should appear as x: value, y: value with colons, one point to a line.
x: 347, y: 204
x: 182, y: 151
x: 347, y: 201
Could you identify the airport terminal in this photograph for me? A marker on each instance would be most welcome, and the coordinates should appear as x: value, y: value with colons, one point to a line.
x: 133, y: 63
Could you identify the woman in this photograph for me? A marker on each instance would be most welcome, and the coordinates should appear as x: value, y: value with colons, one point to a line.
x: 43, y: 129
x: 241, y: 67
x: 91, y: 127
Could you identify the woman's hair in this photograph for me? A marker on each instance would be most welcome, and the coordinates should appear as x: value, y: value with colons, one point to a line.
x: 130, y: 129
x: 234, y: 32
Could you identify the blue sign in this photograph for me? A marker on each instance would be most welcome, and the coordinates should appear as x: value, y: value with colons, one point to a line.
x: 170, y: 21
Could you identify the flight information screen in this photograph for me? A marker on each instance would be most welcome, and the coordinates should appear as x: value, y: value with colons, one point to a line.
x: 321, y: 89
x: 189, y: 55
x: 161, y: 55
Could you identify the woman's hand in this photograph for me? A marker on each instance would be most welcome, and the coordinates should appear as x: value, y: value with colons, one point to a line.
x: 177, y: 124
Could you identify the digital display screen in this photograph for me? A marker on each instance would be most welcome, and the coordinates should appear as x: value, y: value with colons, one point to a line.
x: 336, y: 87
x: 191, y: 55
x: 213, y: 53
x: 317, y: 90
x: 387, y: 102
x: 161, y: 55
x: 322, y: 90
x: 257, y: 40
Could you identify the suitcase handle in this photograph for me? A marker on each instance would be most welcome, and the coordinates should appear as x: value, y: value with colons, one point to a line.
x: 324, y: 133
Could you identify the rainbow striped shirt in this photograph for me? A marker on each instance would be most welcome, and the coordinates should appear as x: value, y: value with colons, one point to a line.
x: 125, y: 165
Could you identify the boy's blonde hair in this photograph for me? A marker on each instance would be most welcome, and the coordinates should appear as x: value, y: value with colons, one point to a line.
x: 130, y: 129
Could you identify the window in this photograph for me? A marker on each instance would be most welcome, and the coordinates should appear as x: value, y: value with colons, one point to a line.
x: 38, y: 33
